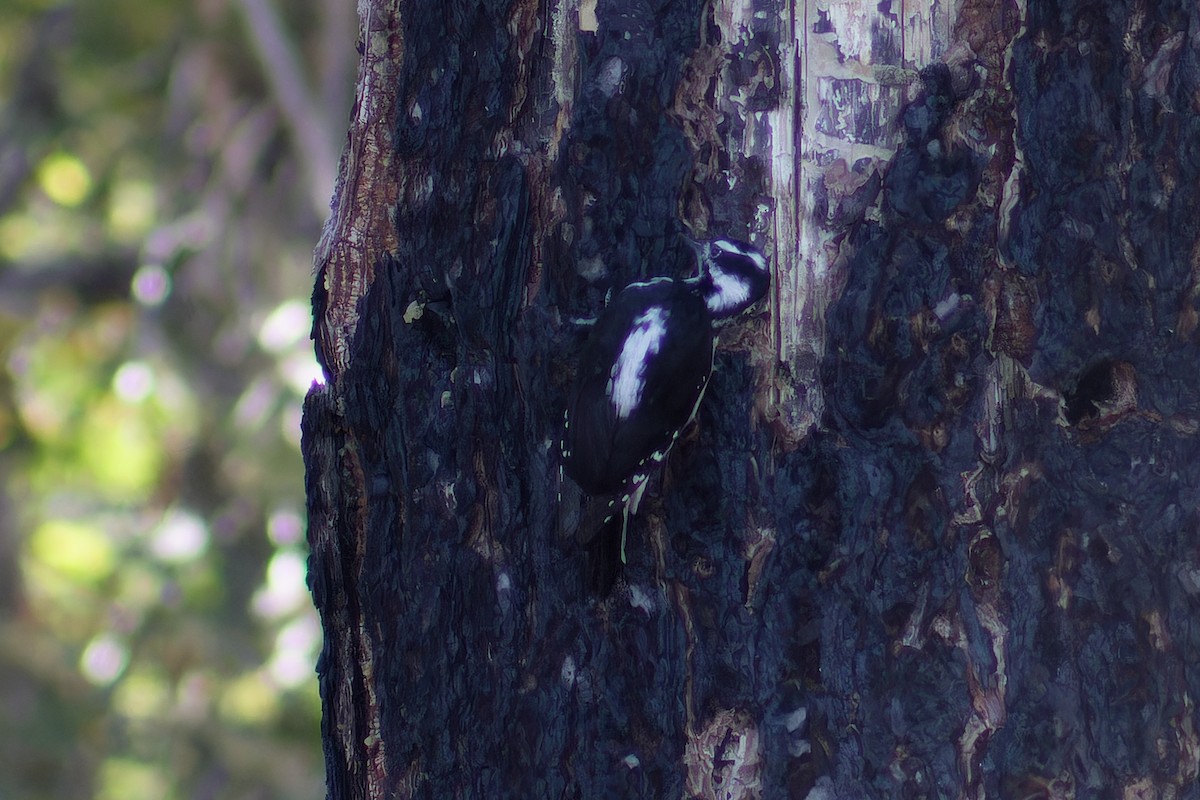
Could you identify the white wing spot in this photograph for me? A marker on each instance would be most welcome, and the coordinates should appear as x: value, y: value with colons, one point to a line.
x: 629, y: 373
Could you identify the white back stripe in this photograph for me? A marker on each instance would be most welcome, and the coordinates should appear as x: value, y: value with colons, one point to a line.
x: 629, y: 373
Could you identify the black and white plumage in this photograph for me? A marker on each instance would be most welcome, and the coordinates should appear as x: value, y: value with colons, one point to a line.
x: 733, y: 277
x: 644, y: 370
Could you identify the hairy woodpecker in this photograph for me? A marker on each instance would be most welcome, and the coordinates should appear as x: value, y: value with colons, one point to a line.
x: 644, y: 370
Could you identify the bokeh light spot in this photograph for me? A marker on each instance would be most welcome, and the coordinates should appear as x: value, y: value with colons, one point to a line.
x: 131, y: 208
x: 151, y: 285
x: 64, y: 179
x: 249, y: 700
x: 103, y: 660
x: 142, y: 694
x: 18, y: 234
x: 285, y: 527
x: 193, y: 697
x: 292, y: 664
x: 120, y: 450
x: 255, y: 405
x: 77, y: 550
x: 285, y: 590
x: 134, y: 381
x: 126, y: 779
x: 180, y: 538
x: 301, y: 370
x: 290, y: 421
x: 285, y: 326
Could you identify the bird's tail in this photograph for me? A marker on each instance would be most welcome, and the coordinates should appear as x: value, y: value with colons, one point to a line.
x: 603, y: 530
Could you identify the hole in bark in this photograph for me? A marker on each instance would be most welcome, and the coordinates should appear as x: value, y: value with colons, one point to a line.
x: 1094, y: 388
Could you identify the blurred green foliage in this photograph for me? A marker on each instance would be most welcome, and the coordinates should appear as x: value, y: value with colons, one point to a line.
x: 161, y: 190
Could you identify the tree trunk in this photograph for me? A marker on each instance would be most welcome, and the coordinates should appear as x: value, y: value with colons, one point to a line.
x: 934, y: 534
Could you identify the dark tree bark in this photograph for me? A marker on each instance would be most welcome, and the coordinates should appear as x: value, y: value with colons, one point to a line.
x: 935, y: 532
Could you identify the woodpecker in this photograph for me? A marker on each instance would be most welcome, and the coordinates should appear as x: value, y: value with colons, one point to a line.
x: 644, y: 369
